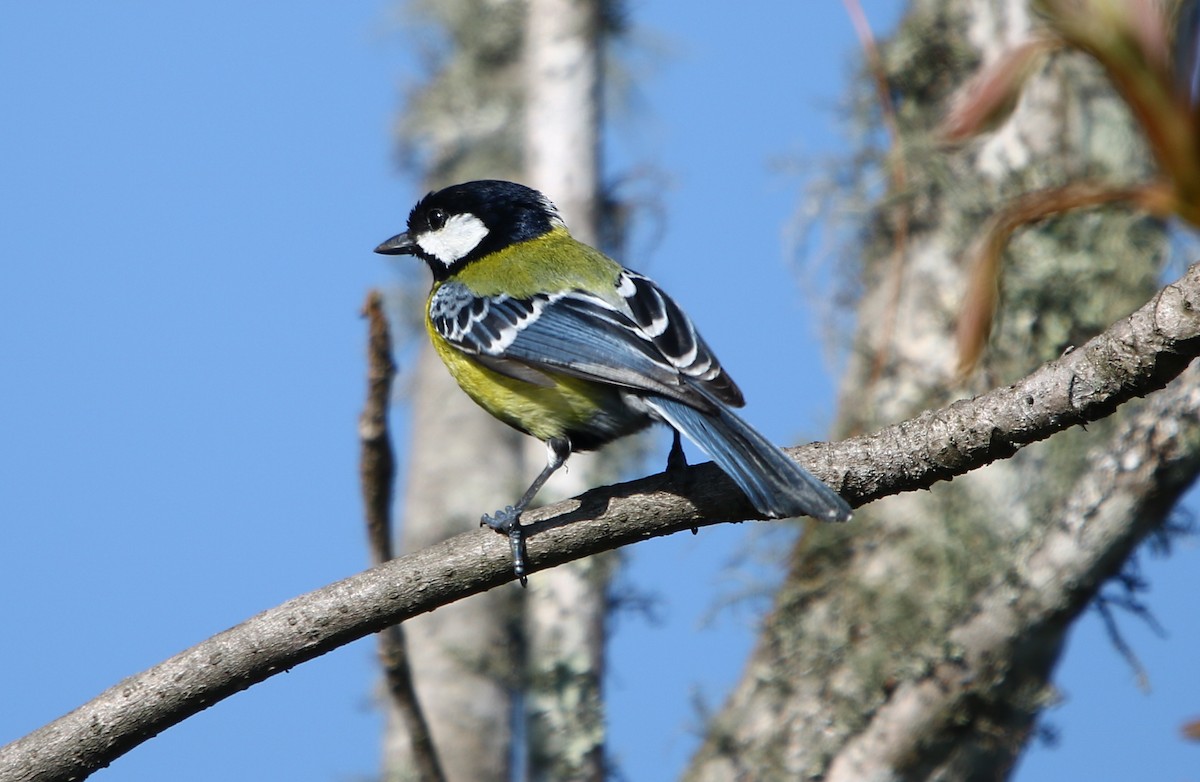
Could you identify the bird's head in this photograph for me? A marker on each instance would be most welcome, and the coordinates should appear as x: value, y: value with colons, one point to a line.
x: 452, y: 227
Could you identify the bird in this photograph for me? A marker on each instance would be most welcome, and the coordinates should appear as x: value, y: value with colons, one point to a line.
x: 559, y: 341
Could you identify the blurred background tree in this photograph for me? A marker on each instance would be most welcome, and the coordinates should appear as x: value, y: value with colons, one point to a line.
x: 872, y: 663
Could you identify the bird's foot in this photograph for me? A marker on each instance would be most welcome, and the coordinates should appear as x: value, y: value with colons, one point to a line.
x: 508, y: 522
x: 676, y: 460
x: 502, y: 520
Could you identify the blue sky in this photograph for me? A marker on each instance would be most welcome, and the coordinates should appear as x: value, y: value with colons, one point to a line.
x: 190, y: 195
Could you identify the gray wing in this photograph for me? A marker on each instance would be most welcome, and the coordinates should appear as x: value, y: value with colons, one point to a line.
x: 648, y: 345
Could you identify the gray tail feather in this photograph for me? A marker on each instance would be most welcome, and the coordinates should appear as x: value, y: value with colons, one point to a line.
x: 775, y: 485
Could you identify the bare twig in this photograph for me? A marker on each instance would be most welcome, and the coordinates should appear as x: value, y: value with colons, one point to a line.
x: 1137, y: 355
x: 1117, y: 639
x: 377, y: 464
x: 1129, y: 585
x: 377, y: 474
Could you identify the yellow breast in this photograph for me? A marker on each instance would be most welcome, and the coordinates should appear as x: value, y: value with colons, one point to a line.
x: 566, y: 405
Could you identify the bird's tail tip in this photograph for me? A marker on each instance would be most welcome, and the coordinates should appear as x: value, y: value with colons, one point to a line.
x: 838, y: 515
x: 775, y: 484
x: 806, y: 499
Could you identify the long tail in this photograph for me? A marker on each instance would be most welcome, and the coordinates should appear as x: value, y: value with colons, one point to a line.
x: 776, y: 485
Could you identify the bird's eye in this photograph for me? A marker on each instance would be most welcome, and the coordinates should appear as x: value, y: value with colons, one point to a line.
x: 437, y: 219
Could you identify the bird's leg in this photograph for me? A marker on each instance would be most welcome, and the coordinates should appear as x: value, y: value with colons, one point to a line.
x: 677, y: 459
x: 508, y: 520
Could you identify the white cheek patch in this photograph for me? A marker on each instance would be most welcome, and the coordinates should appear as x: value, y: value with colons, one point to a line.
x: 460, y: 235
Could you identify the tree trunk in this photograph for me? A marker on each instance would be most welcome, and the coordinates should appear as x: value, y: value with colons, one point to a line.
x: 567, y: 606
x: 917, y: 641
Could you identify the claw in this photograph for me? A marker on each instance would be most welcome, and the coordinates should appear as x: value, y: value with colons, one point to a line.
x: 503, y: 521
x: 508, y: 522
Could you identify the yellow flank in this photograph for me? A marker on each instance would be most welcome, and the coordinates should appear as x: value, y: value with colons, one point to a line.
x: 542, y: 411
x: 547, y: 264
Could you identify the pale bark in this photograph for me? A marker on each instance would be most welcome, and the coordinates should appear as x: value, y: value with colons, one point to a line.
x: 567, y: 606
x: 562, y: 115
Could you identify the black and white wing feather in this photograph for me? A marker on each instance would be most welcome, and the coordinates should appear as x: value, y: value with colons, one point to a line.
x: 675, y: 336
x: 648, y: 344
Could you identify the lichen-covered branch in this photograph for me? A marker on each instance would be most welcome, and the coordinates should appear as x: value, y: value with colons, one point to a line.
x: 1134, y: 356
x: 1121, y: 497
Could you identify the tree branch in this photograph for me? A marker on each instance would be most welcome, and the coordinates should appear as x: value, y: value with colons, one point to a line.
x: 1137, y: 355
x: 1122, y: 496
